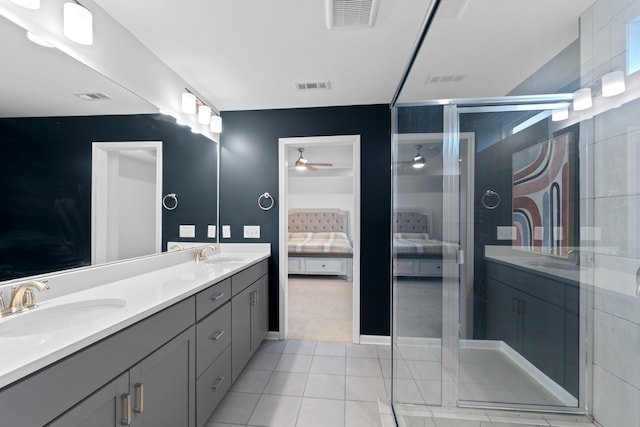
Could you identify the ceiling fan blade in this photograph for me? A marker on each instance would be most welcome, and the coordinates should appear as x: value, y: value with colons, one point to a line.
x: 319, y: 164
x: 310, y: 167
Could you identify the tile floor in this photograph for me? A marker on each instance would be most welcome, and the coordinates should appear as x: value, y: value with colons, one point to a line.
x: 332, y: 384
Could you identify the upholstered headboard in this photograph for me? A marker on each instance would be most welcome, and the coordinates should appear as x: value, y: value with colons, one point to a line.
x: 412, y: 221
x: 318, y: 220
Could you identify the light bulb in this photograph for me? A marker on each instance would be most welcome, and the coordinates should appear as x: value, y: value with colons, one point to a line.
x: 613, y: 83
x: 78, y: 23
x: 559, y: 115
x: 216, y: 124
x: 582, y: 99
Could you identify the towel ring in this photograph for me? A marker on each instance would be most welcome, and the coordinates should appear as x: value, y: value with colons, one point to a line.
x: 265, y: 196
x: 172, y: 205
x: 488, y: 194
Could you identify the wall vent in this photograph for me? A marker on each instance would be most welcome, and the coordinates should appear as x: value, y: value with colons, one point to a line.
x: 96, y: 96
x: 445, y: 78
x: 326, y: 84
x: 351, y: 13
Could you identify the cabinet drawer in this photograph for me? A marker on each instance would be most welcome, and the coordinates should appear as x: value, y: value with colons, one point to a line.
x: 212, y: 298
x: 325, y: 266
x: 403, y: 267
x: 213, y: 335
x: 212, y: 386
x: 430, y: 267
x: 246, y: 277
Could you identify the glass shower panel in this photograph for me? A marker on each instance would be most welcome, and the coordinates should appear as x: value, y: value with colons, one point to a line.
x: 417, y: 256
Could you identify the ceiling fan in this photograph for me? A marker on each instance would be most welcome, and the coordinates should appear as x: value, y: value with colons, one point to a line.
x: 419, y: 161
x: 303, y: 164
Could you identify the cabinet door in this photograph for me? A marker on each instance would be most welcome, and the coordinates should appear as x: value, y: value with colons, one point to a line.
x: 163, y: 385
x: 259, y: 311
x: 241, y: 343
x: 108, y: 407
x: 503, y: 321
x: 543, y: 336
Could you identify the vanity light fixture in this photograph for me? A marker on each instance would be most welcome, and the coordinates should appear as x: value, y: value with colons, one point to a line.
x: 78, y: 23
x: 582, y: 99
x: 204, y: 114
x: 38, y: 40
x: 613, y: 83
x: 216, y: 124
x: 560, y: 114
x: 188, y: 103
x: 28, y: 4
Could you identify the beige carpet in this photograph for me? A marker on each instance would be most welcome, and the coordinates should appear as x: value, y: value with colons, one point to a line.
x: 320, y: 309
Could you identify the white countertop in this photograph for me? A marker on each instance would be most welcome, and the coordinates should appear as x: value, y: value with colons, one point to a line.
x: 72, y: 326
x: 542, y: 263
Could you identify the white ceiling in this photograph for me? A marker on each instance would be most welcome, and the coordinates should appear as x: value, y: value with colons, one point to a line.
x: 247, y: 54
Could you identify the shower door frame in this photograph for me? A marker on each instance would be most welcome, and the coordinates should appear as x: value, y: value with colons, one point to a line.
x: 457, y: 273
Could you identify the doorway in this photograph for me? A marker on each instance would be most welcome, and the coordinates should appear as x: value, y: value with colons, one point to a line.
x: 126, y: 200
x: 336, y: 216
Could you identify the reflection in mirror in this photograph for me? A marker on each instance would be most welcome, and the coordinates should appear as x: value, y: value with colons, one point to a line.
x: 52, y: 110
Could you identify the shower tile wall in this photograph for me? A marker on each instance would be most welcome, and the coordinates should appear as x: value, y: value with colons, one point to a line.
x: 612, y: 141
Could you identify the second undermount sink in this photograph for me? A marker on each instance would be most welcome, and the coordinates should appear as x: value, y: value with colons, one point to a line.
x: 45, y: 318
x: 219, y: 260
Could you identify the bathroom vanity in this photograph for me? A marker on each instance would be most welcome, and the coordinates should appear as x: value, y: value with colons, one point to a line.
x: 163, y: 347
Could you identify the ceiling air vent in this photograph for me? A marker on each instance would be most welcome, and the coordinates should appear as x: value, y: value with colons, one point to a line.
x: 97, y: 96
x: 326, y: 84
x: 445, y: 78
x: 351, y: 13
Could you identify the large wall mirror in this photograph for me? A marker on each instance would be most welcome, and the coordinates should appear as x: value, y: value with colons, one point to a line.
x: 53, y: 110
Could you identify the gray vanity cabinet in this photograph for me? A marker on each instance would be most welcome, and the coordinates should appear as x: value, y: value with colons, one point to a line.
x: 248, y: 314
x: 156, y: 391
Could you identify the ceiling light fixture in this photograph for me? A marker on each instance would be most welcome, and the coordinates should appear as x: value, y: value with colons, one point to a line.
x: 301, y: 163
x: 560, y: 114
x: 38, y: 40
x: 188, y: 103
x: 29, y: 4
x: 582, y: 99
x: 78, y: 23
x: 613, y: 83
x: 418, y: 161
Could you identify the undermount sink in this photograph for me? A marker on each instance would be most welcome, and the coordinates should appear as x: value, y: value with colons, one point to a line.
x: 223, y: 259
x: 45, y: 319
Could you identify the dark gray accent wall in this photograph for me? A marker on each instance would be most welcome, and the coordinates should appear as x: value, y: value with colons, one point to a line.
x: 249, y: 167
x: 45, y: 171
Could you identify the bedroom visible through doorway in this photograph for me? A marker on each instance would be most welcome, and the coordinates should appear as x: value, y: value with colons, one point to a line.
x: 319, y: 239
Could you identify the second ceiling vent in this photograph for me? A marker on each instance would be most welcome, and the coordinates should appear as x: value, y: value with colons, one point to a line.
x: 351, y: 13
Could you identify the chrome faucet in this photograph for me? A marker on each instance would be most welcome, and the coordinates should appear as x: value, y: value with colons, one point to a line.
x: 201, y: 254
x: 22, y: 297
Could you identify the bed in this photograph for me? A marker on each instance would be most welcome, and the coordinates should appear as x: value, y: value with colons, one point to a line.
x: 416, y: 252
x: 319, y: 243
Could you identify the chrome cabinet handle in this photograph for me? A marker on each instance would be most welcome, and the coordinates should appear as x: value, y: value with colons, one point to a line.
x: 139, y: 387
x: 218, y: 383
x: 254, y: 298
x: 217, y: 297
x: 126, y: 398
x: 217, y: 336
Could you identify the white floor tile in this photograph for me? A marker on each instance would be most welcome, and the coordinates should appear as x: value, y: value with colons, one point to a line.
x: 360, y: 414
x: 406, y: 391
x: 276, y: 411
x: 263, y: 361
x: 286, y: 384
x: 328, y: 365
x: 321, y: 413
x: 337, y: 349
x: 362, y: 367
x: 235, y: 408
x: 300, y: 347
x: 251, y: 381
x: 294, y: 363
x: 325, y: 386
x: 273, y: 346
x: 367, y: 389
x: 362, y: 350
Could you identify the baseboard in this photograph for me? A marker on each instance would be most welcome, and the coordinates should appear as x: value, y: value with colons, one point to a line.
x: 375, y: 339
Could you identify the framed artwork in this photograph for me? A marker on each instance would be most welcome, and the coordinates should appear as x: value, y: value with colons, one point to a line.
x: 543, y: 199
